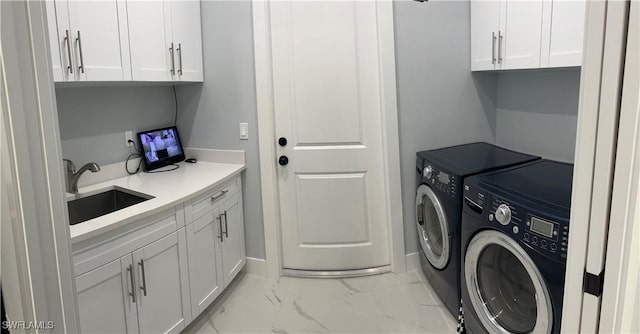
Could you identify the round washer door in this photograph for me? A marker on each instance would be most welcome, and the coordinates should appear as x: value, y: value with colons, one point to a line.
x: 433, y: 229
x: 507, y: 291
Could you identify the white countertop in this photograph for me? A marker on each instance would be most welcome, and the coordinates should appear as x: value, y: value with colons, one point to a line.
x: 168, y: 190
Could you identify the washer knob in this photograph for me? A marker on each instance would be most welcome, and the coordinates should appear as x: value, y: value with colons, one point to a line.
x: 427, y: 172
x: 503, y: 214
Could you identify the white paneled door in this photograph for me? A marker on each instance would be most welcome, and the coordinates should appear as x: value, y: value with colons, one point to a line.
x: 327, y: 100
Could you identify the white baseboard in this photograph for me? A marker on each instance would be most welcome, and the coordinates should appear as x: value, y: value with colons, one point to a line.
x: 256, y: 266
x: 413, y: 261
x: 259, y: 266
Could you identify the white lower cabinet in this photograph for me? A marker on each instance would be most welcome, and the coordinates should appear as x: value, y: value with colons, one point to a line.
x: 162, y: 285
x: 215, y: 239
x: 204, y: 256
x: 104, y: 303
x: 159, y: 273
x: 232, y: 242
x: 146, y: 291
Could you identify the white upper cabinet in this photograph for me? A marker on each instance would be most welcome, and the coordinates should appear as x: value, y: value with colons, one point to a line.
x: 125, y: 40
x: 563, y: 33
x: 92, y: 40
x: 149, y: 37
x: 187, y: 40
x: 526, y: 34
x: 59, y: 71
x: 485, y: 25
x: 520, y: 34
x: 166, y: 40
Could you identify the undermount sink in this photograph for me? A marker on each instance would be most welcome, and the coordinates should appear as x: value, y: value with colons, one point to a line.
x: 93, y: 206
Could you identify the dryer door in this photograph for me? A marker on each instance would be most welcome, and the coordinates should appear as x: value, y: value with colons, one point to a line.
x: 433, y: 229
x: 507, y: 291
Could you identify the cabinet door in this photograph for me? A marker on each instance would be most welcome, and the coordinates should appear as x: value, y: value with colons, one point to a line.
x: 522, y: 34
x: 203, y: 237
x: 563, y: 33
x: 163, y: 288
x: 57, y: 43
x: 233, y: 252
x: 149, y: 40
x: 485, y: 20
x: 104, y: 303
x: 187, y: 39
x: 100, y: 40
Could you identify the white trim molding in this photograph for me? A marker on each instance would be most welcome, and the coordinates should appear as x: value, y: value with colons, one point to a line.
x: 266, y: 136
x: 256, y: 266
x: 413, y: 261
x: 584, y: 161
x: 33, y: 175
x: 621, y: 290
x: 595, y: 161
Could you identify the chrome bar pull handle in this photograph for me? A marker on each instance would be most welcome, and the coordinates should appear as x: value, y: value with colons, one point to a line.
x: 133, y: 283
x: 219, y: 195
x: 68, y: 42
x: 219, y: 218
x: 79, y: 40
x: 493, y: 47
x: 180, y: 58
x: 500, y: 37
x: 173, y: 66
x: 144, y: 277
x: 226, y: 228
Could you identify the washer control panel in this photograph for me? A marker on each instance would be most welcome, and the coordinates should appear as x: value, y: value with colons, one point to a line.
x: 546, y: 236
x: 439, y: 179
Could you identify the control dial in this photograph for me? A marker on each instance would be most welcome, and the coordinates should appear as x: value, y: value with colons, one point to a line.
x: 503, y: 214
x: 427, y: 172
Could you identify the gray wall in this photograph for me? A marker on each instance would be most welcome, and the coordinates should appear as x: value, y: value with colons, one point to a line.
x: 210, y: 112
x: 537, y: 112
x: 440, y: 103
x: 93, y: 119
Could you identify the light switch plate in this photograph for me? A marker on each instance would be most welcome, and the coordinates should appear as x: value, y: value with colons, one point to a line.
x: 128, y: 135
x: 244, y: 131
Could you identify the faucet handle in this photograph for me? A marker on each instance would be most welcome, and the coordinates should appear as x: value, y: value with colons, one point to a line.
x: 71, y: 167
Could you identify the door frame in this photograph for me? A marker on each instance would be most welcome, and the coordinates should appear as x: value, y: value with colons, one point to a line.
x: 267, y: 137
x: 40, y: 277
x: 621, y: 290
x: 603, y: 171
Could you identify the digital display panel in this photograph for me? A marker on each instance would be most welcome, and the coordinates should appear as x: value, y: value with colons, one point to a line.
x: 542, y: 227
x: 443, y: 177
x: 161, y: 147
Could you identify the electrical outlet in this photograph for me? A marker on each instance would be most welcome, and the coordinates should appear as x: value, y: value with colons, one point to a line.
x: 128, y: 135
x: 244, y: 131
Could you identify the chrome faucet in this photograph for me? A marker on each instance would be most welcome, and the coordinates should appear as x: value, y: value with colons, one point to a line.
x: 72, y: 177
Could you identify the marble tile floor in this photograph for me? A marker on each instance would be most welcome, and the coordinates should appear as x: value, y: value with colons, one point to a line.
x: 385, y: 303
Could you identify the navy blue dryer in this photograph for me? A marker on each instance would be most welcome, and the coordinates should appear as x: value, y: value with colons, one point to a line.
x: 515, y: 226
x: 440, y: 175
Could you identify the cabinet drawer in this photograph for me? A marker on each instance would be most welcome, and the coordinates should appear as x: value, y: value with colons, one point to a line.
x: 92, y: 253
x: 207, y: 202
